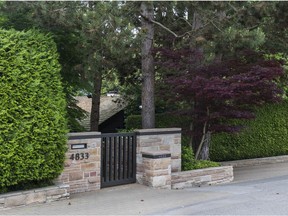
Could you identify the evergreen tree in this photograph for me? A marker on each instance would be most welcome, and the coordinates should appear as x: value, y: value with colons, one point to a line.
x: 91, y: 38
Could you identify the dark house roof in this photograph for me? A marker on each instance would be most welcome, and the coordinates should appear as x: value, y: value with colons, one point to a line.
x: 109, y: 106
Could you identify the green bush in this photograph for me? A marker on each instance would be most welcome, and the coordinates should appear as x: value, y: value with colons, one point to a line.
x: 265, y: 136
x: 32, y: 116
x: 163, y: 120
x: 187, y: 158
x: 188, y: 161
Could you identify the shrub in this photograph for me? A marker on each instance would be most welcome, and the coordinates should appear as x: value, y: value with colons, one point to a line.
x: 266, y: 136
x: 187, y: 158
x: 32, y: 116
x: 188, y: 161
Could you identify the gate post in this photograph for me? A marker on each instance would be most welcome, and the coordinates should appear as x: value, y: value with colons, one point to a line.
x: 158, y: 139
x: 82, y: 165
x: 157, y: 169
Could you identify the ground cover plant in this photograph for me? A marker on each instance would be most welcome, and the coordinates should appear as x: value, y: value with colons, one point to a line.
x: 32, y: 116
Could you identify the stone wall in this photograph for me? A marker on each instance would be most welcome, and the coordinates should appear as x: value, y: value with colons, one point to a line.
x: 207, y: 176
x: 159, y: 139
x: 83, y: 160
x: 36, y: 196
x: 82, y: 170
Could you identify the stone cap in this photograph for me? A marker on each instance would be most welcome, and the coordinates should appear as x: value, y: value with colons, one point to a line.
x: 156, y: 154
x: 84, y: 135
x: 158, y: 131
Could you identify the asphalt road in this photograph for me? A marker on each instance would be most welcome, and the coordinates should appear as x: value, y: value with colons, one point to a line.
x: 258, y: 197
x: 256, y: 190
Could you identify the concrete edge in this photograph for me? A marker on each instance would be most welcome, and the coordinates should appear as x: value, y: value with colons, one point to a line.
x: 256, y: 161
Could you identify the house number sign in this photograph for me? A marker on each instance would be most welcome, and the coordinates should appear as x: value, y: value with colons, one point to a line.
x: 80, y: 156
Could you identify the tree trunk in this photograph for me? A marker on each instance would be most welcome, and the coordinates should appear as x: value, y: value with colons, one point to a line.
x: 201, y: 137
x: 148, y: 74
x: 95, y: 109
x: 204, y: 153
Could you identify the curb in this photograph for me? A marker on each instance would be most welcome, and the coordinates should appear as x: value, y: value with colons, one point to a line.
x: 256, y: 161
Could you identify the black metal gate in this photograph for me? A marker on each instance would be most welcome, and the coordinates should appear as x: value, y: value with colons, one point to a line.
x: 118, y: 159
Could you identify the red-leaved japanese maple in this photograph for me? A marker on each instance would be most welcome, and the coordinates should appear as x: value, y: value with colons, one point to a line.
x: 217, y: 92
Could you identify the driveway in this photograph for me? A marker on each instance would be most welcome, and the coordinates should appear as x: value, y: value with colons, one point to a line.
x: 256, y: 190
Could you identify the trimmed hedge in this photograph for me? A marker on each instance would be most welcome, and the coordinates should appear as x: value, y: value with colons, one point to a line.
x: 33, y: 127
x: 265, y: 136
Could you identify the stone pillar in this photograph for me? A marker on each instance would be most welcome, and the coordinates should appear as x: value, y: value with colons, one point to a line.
x: 159, y: 139
x: 83, y: 160
x: 157, y: 169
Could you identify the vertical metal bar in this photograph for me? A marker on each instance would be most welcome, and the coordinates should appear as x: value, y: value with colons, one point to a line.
x: 110, y: 159
x: 102, y: 161
x: 124, y: 157
x: 128, y: 156
x: 134, y: 142
x: 104, y: 177
x: 106, y: 158
x: 119, y: 156
x: 115, y: 158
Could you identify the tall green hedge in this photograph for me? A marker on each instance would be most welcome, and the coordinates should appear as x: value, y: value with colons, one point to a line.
x: 32, y: 115
x: 265, y: 136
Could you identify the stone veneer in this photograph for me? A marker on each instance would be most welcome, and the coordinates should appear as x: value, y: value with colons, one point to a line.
x: 82, y: 170
x: 157, y: 169
x: 199, y: 177
x: 35, y: 196
x: 158, y: 139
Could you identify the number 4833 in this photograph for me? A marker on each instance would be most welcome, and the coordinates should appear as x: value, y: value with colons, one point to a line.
x: 79, y: 156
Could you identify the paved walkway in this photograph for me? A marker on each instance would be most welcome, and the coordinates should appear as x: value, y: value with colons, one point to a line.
x: 253, y: 191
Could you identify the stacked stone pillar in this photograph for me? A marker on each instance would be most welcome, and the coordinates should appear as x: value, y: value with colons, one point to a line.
x: 157, y: 169
x: 83, y: 160
x: 158, y: 139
